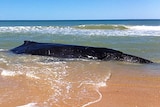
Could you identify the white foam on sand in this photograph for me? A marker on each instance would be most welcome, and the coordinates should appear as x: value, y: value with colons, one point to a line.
x: 30, y: 75
x: 8, y: 73
x: 92, y: 102
x: 29, y: 105
x: 65, y: 89
x: 101, y: 84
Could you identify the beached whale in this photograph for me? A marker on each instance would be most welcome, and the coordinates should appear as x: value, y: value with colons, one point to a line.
x: 74, y: 51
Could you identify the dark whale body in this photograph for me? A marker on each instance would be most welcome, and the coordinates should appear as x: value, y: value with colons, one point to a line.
x: 74, y: 51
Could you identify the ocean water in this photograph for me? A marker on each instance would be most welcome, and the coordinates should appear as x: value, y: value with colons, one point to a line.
x: 36, y: 81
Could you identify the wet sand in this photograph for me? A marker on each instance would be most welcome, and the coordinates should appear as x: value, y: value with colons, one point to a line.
x: 79, y: 84
x: 134, y: 89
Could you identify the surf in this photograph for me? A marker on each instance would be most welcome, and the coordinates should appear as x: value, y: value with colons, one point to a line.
x: 102, y: 27
x: 84, y: 30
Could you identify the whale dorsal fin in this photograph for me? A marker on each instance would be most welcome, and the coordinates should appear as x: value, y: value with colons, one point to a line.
x: 26, y: 42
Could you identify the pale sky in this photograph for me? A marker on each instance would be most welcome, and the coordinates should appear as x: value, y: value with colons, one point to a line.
x: 78, y: 9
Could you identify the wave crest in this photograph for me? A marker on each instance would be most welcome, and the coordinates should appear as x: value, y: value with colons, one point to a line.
x: 89, y: 30
x: 101, y: 26
x: 153, y: 28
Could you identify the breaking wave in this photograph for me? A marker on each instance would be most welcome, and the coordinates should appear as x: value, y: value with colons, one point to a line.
x: 103, y: 30
x: 103, y: 27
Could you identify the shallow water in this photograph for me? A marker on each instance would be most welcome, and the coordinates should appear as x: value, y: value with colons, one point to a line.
x: 32, y: 79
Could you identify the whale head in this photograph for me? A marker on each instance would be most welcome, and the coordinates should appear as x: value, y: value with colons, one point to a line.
x: 22, y: 48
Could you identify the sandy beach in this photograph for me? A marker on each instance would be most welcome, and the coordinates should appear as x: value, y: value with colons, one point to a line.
x: 127, y: 86
x: 131, y: 90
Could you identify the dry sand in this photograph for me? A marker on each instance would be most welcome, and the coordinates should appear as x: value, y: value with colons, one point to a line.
x: 131, y: 90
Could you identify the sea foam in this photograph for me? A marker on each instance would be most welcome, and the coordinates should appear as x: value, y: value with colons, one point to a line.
x: 86, y: 30
x: 29, y: 105
x: 146, y: 28
x: 8, y: 73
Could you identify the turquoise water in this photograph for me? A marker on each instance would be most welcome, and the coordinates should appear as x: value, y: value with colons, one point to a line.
x: 137, y: 37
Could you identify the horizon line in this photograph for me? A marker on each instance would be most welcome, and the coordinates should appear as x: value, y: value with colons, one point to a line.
x: 71, y: 19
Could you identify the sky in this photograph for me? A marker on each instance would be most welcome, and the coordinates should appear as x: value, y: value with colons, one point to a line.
x: 79, y: 9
